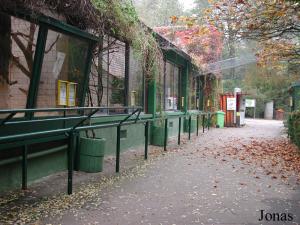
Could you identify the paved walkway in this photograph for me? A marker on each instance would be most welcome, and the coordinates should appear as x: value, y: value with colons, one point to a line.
x: 196, y: 183
x: 190, y: 187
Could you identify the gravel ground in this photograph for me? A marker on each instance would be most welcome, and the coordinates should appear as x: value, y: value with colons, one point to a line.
x: 198, y: 182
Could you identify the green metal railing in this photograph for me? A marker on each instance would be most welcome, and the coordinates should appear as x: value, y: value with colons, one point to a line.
x: 72, y: 133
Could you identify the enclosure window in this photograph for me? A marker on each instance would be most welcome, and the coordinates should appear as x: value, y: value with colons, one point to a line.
x: 193, y: 93
x: 62, y: 76
x: 136, y: 81
x: 172, y: 89
x: 107, y: 86
x: 17, y: 48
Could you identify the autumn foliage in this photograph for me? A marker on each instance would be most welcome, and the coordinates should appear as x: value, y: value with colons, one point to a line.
x: 202, y: 42
x: 275, y: 24
x: 278, y: 158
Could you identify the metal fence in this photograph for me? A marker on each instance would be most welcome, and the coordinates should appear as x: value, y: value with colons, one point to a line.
x: 72, y: 133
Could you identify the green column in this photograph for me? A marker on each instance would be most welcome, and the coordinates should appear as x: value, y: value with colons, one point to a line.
x: 37, y: 68
x: 185, y: 84
x: 87, y: 71
x: 151, y: 97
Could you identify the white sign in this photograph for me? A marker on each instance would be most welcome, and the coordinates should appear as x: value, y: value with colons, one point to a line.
x: 71, y: 94
x: 62, y: 93
x: 250, y: 103
x: 231, y: 103
x: 60, y: 58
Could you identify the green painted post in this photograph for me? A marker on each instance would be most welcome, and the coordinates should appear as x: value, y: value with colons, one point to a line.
x: 77, y: 152
x: 166, y: 135
x: 127, y: 70
x: 197, y: 125
x: 190, y: 124
x: 87, y: 71
x: 71, y: 147
x: 24, y: 167
x: 179, y: 130
x: 118, y: 149
x: 203, y: 122
x: 185, y: 83
x: 36, y: 69
x: 64, y: 122
x: 151, y: 97
x: 208, y: 121
x: 146, y: 139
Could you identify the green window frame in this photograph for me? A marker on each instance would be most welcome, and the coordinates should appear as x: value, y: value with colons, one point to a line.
x: 45, y: 23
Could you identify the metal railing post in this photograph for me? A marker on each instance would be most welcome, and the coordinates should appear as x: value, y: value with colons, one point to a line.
x: 77, y: 152
x: 208, y: 121
x: 71, y: 147
x: 190, y: 124
x: 179, y: 130
x: 118, y: 149
x: 146, y: 139
x: 197, y: 125
x: 24, y: 167
x: 64, y: 122
x: 203, y: 122
x: 166, y: 135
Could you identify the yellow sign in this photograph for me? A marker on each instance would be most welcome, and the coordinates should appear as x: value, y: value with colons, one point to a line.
x: 66, y: 93
x: 62, y: 93
x: 208, y: 103
x: 71, y: 90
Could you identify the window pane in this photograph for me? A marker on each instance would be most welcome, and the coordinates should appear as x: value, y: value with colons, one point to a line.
x: 116, y: 71
x: 136, y: 87
x: 109, y: 83
x: 201, y: 92
x: 192, y: 93
x: 95, y: 89
x: 18, y: 39
x: 172, y: 87
x: 65, y: 60
x: 176, y: 88
x: 107, y: 79
x: 169, y: 87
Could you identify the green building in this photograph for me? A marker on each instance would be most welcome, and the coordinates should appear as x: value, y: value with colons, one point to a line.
x: 50, y: 73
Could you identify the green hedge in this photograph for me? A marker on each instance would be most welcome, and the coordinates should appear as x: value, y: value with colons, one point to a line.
x: 294, y: 127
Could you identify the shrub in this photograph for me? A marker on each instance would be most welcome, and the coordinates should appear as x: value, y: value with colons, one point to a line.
x: 294, y: 127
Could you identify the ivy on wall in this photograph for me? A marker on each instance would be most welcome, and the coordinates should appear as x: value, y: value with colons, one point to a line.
x: 126, y: 25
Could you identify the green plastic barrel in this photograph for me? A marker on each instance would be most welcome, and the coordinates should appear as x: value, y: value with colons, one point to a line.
x: 220, y: 119
x: 193, y: 125
x: 92, y: 152
x: 158, y: 135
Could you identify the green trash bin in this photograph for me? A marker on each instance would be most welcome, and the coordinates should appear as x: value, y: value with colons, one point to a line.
x: 92, y: 152
x: 220, y: 119
x: 158, y: 135
x: 193, y: 125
